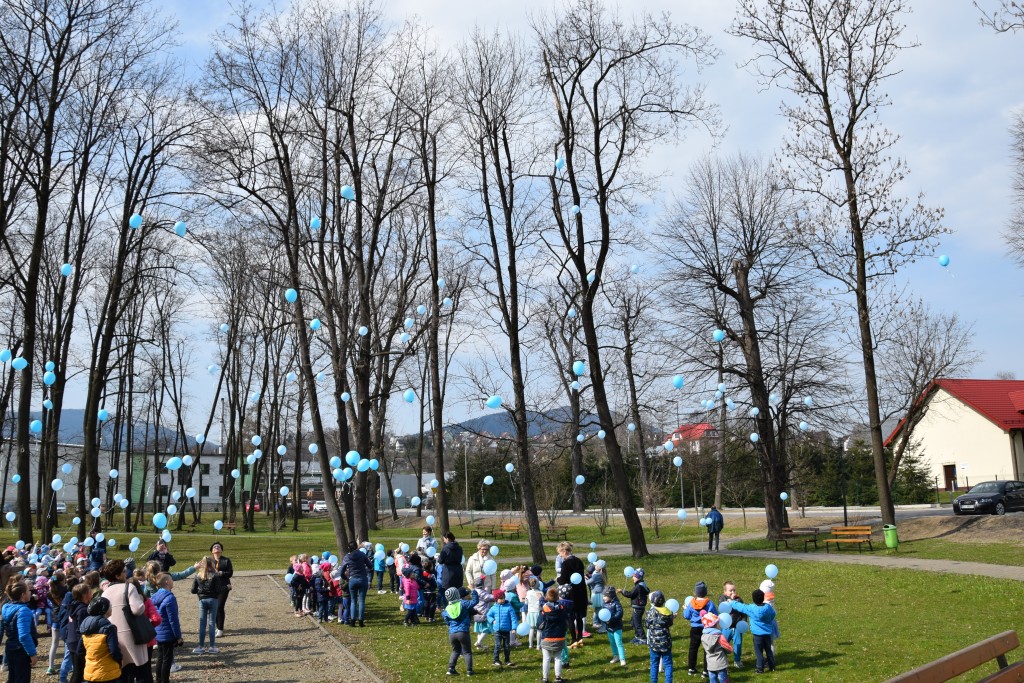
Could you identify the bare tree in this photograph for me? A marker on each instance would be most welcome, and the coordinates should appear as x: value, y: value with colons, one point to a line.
x: 1006, y: 16
x: 837, y: 59
x: 616, y: 91
x: 1015, y: 231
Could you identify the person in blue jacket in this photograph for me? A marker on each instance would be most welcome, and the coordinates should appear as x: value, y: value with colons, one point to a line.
x: 168, y: 631
x: 20, y: 632
x: 458, y: 614
x: 610, y: 602
x: 77, y: 611
x: 503, y: 620
x: 695, y: 609
x: 761, y: 617
x: 356, y: 566
x: 716, y: 522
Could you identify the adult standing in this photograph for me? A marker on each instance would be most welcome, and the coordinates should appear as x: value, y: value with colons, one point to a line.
x: 163, y: 556
x: 357, y: 566
x: 19, y: 627
x: 577, y: 592
x: 475, y: 566
x: 121, y: 593
x: 222, y: 565
x: 715, y: 523
x: 98, y: 554
x: 450, y: 560
x: 426, y: 542
x: 206, y: 587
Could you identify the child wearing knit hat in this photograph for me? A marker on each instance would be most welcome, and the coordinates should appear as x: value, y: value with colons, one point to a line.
x: 761, y: 617
x: 696, y: 607
x: 716, y: 649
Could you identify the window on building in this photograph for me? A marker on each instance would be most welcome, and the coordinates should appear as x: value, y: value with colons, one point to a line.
x: 204, y: 491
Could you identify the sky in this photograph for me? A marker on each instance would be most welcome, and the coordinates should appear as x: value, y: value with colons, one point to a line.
x: 951, y: 104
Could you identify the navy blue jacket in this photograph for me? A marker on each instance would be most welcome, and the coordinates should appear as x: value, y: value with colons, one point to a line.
x: 357, y: 565
x: 717, y: 521
x: 169, y: 629
x: 450, y: 558
x: 615, y: 607
x: 77, y: 612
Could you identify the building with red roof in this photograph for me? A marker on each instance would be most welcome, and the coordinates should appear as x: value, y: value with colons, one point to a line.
x: 690, y: 437
x: 972, y: 430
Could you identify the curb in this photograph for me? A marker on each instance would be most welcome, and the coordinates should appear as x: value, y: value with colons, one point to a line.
x: 368, y: 675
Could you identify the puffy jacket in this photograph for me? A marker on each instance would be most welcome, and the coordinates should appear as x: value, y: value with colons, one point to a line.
x: 638, y: 595
x: 502, y: 617
x: 615, y: 607
x: 102, y: 652
x: 451, y: 559
x: 694, y: 609
x: 717, y: 649
x: 596, y: 582
x: 577, y: 591
x: 154, y: 617
x: 552, y: 624
x: 657, y: 623
x: 19, y: 628
x: 206, y: 588
x: 357, y: 565
x: 459, y: 614
x: 169, y: 629
x: 77, y: 612
x: 761, y: 617
x: 717, y: 522
x: 61, y: 617
x: 410, y: 591
x: 97, y: 556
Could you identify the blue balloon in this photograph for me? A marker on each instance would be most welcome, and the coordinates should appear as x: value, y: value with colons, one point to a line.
x: 571, y: 313
x: 601, y: 434
x: 510, y: 468
x: 490, y: 568
x: 677, y: 461
x: 35, y: 426
x: 284, y: 491
x: 672, y: 605
x: 103, y: 415
x: 135, y: 222
x: 353, y: 458
x: 631, y: 427
x: 576, y: 579
x: 446, y: 301
x: 409, y: 395
x: 256, y: 440
x: 345, y: 397
x: 5, y: 355
x: 19, y: 364
x: 338, y: 474
x: 291, y: 377
x: 718, y: 335
x: 180, y: 228
x: 348, y: 192
x: 591, y: 276
x: 755, y: 411
x: 16, y: 478
x: 66, y: 269
x: 421, y: 309
x: 363, y: 465
x: 804, y: 426
x: 159, y: 520
x: 681, y: 514
x: 575, y: 386
x: 943, y: 260
x: 374, y: 464
x: 808, y: 401
x: 494, y: 402
x: 755, y: 437
x: 335, y: 462
x: 291, y: 296
x: 678, y: 382
x: 580, y: 479
x: 559, y: 163
x: 635, y: 268
x: 592, y: 558
x: 771, y: 571
x: 235, y: 474
x: 488, y: 480
x: 579, y: 367
x: 200, y: 439
x: 314, y: 324
x: 405, y: 337
x: 174, y: 464
x: 409, y: 322
x: 580, y: 438
x: 314, y: 223
x: 575, y: 210
x: 669, y: 446
x: 523, y: 629
x: 363, y: 331
x: 603, y: 614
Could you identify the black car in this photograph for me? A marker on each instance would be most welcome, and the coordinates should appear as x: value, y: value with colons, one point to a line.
x: 991, y: 497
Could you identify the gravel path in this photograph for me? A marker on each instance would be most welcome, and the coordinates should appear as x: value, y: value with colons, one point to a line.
x: 262, y: 642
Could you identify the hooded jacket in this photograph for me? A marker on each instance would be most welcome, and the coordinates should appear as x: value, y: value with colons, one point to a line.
x: 761, y: 617
x: 77, y: 613
x: 615, y: 607
x: 102, y: 652
x: 459, y: 614
x: 657, y: 623
x: 169, y: 628
x: 206, y: 588
x: 356, y: 565
x: 638, y: 595
x: 717, y: 522
x: 19, y: 627
x: 502, y: 617
x: 694, y: 609
x: 717, y: 649
x: 552, y: 623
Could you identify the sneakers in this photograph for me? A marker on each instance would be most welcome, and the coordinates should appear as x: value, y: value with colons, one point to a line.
x: 212, y: 650
x: 50, y: 671
x: 692, y: 672
x: 497, y: 664
x: 509, y: 664
x: 737, y: 665
x: 199, y: 650
x: 587, y: 634
x: 451, y: 672
x: 615, y: 660
x: 175, y: 667
x: 218, y: 633
x: 623, y: 662
x: 381, y: 592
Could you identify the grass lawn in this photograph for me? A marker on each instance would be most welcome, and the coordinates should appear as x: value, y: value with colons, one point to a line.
x: 839, y: 623
x: 927, y: 548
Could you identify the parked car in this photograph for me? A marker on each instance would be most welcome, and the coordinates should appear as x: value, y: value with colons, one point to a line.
x: 62, y: 508
x: 320, y: 506
x: 991, y: 497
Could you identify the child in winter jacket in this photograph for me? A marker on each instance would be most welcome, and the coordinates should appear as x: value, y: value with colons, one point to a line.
x: 458, y: 614
x: 596, y: 580
x: 700, y: 604
x: 410, y: 596
x: 485, y: 599
x: 638, y: 601
x: 429, y: 590
x: 762, y: 616
x: 503, y: 620
x: 322, y: 588
x: 716, y: 649
x: 99, y: 636
x: 658, y: 621
x: 534, y: 600
x: 553, y: 625
x: 613, y: 624
x: 168, y: 632
x: 77, y: 611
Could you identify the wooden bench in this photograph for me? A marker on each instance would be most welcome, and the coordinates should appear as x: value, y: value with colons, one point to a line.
x: 803, y: 534
x: 510, y: 530
x: 555, y: 533
x: 482, y: 530
x: 969, y: 658
x: 850, y: 534
x: 230, y: 527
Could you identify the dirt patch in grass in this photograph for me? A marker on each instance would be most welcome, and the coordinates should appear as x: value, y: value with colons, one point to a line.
x: 974, y: 529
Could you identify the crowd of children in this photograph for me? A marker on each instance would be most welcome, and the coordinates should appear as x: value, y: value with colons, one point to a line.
x: 518, y: 602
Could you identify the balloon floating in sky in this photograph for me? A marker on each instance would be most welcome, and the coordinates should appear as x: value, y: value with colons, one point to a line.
x: 804, y: 426
x: 718, y: 335
x: 580, y: 438
x: 677, y: 461
x: 56, y: 484
x: 631, y: 427
x: 409, y: 322
x: 314, y: 223
x: 363, y: 331
x: 755, y: 437
x: 290, y: 295
x: 575, y: 386
x: 218, y: 525
x: 291, y: 377
x: 669, y: 446
x: 16, y: 478
x: 174, y: 464
x: 135, y: 222
x: 35, y: 426
x: 405, y: 337
x: 575, y: 210
x: 180, y: 228
x: 284, y: 491
x: 352, y: 458
x: 771, y: 571
x: 601, y: 434
x: 591, y: 276
x: 635, y: 268
x: 755, y: 411
x: 48, y: 404
x: 559, y: 163
x: 409, y: 395
x: 681, y: 514
x: 113, y: 474
x: 509, y: 467
x: 678, y: 382
x: 314, y: 324
x: 488, y: 480
x: 348, y: 192
x: 345, y: 397
x: 66, y: 468
x: 235, y: 474
x: 224, y: 328
x: 784, y: 496
x: 494, y: 402
x: 159, y: 520
x: 944, y: 261
x: 415, y: 501
x: 421, y: 309
x: 256, y: 440
x: 19, y: 364
x: 578, y: 368
x: 200, y: 438
x: 580, y: 479
x: 65, y: 270
x: 434, y: 483
x: 572, y: 313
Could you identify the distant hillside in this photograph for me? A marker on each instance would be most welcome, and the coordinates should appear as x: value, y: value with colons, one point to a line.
x: 540, y: 423
x: 71, y: 420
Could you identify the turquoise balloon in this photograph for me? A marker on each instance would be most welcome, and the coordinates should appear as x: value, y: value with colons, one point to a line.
x: 159, y: 520
x: 180, y: 228
x: 66, y: 269
x: 291, y: 296
x: 135, y: 222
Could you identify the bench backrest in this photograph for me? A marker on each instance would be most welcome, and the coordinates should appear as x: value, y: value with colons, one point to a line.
x: 962, y: 661
x: 860, y: 529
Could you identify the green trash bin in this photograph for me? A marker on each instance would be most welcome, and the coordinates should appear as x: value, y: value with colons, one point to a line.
x: 891, y: 539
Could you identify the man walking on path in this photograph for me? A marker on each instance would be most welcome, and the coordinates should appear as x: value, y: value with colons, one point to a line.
x: 715, y: 524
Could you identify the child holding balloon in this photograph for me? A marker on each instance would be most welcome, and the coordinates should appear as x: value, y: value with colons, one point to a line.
x: 716, y: 646
x: 611, y: 616
x: 638, y: 601
x: 762, y: 615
